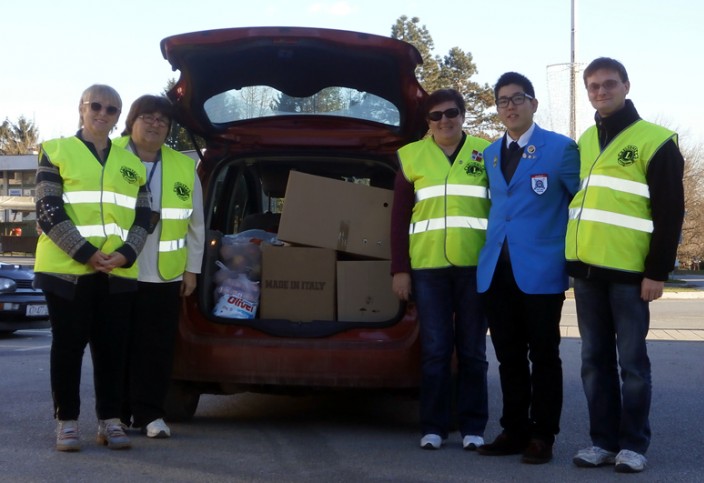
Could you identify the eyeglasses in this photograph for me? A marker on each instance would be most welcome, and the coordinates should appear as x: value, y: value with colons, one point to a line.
x: 517, y: 100
x: 608, y: 85
x: 97, y: 107
x: 448, y: 113
x: 155, y: 121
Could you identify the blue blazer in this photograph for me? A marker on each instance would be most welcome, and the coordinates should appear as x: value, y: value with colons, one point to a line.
x: 531, y: 212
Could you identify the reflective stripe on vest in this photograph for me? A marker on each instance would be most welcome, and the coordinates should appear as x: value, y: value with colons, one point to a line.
x: 611, y: 218
x: 99, y: 200
x: 610, y: 222
x: 170, y: 246
x: 451, y: 190
x: 175, y: 214
x: 448, y: 222
x: 75, y: 197
x: 449, y: 218
x: 618, y: 184
x: 88, y: 231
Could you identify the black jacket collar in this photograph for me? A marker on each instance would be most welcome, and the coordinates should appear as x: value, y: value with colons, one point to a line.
x: 610, y: 127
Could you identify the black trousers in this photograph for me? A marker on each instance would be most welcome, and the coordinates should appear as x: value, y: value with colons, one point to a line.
x: 153, y: 327
x: 98, y: 318
x: 525, y: 331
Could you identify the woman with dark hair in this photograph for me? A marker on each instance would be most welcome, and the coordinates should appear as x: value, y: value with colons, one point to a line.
x: 168, y: 264
x: 438, y: 226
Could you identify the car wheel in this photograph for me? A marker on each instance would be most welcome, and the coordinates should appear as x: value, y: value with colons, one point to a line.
x: 181, y: 401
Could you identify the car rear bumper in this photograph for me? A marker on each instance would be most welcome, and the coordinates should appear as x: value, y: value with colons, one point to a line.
x: 373, y: 359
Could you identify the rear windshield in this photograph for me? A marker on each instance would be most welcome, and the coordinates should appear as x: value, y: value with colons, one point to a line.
x: 264, y: 101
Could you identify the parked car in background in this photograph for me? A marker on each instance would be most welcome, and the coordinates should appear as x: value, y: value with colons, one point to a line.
x: 332, y: 106
x: 21, y: 305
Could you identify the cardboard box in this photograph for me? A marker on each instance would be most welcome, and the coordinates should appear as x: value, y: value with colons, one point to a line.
x: 340, y: 215
x: 298, y: 283
x: 364, y: 292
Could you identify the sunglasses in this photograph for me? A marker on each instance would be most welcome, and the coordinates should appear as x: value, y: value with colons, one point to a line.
x: 97, y: 107
x: 448, y: 113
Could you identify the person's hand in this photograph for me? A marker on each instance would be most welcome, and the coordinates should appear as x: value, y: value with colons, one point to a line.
x: 113, y: 261
x: 401, y: 285
x: 97, y: 261
x: 651, y: 289
x: 188, y: 284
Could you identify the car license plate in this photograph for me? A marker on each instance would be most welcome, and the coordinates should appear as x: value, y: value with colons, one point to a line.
x: 35, y: 310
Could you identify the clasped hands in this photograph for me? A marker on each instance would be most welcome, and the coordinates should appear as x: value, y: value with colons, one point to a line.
x: 105, y: 263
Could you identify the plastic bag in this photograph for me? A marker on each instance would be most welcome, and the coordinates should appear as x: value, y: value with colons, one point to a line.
x: 241, y: 252
x: 237, y: 281
x: 237, y: 296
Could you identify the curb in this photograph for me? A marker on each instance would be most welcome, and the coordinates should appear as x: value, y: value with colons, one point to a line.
x: 695, y: 293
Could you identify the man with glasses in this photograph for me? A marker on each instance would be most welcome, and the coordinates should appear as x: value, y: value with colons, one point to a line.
x: 622, y: 240
x: 533, y: 174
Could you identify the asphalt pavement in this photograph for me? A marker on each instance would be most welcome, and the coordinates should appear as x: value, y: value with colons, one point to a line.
x: 270, y: 447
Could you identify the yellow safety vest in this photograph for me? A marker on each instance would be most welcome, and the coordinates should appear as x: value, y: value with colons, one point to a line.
x: 99, y: 199
x: 610, y: 223
x: 177, y: 181
x: 449, y: 219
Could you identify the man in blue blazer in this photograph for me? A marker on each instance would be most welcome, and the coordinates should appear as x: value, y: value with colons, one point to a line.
x: 533, y: 174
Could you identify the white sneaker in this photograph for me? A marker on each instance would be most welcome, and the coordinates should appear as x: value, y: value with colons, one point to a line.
x: 157, y: 429
x: 431, y: 441
x: 67, y: 436
x: 593, y: 457
x: 628, y: 461
x: 471, y: 442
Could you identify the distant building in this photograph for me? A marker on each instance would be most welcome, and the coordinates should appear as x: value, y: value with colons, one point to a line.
x: 17, y: 191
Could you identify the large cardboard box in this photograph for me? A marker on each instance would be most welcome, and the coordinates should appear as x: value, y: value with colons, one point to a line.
x: 298, y: 283
x: 344, y: 216
x: 364, y: 292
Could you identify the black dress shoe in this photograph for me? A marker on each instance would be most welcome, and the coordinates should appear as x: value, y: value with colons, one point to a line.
x: 503, y: 445
x: 538, y: 452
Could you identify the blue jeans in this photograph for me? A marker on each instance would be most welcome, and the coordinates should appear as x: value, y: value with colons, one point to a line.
x: 451, y: 320
x: 614, y: 322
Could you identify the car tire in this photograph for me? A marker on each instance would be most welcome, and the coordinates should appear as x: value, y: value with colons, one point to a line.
x: 181, y: 401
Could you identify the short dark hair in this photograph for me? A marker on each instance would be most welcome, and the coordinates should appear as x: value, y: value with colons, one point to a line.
x: 514, y: 78
x: 445, y: 95
x: 148, y: 104
x: 606, y: 63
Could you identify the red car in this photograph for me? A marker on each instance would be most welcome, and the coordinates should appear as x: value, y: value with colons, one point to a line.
x: 268, y: 101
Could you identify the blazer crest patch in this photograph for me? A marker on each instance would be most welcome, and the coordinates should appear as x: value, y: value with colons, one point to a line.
x: 539, y: 183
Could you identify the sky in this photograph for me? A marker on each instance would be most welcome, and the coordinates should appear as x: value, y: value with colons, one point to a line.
x: 53, y: 50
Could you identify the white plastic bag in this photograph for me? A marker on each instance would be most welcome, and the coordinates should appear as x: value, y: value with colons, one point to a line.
x: 237, y: 281
x: 237, y: 296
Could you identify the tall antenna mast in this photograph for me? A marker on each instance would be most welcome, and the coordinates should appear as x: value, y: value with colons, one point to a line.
x: 573, y: 78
